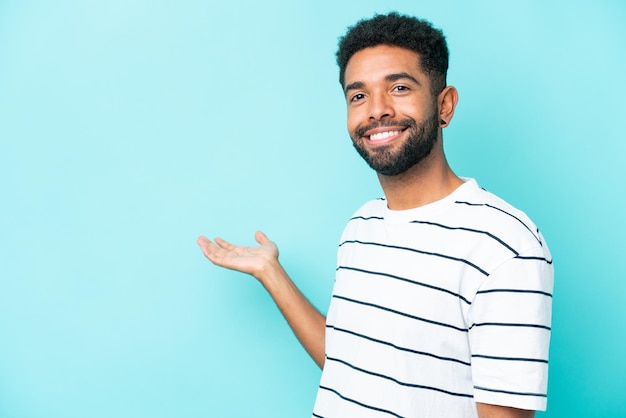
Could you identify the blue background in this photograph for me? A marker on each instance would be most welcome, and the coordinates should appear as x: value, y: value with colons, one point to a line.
x: 128, y: 128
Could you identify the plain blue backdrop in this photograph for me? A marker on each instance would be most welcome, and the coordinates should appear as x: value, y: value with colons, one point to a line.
x: 128, y: 128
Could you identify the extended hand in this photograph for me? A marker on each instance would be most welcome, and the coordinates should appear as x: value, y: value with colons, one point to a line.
x: 251, y: 260
x: 262, y: 262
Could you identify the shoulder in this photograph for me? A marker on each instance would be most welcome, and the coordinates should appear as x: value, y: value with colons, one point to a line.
x: 479, y: 209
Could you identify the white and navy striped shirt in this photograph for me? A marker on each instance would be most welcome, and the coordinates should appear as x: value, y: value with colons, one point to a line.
x: 437, y: 308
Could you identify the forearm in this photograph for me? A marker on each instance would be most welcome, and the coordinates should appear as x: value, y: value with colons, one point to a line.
x: 307, y: 323
x: 262, y: 262
x: 497, y: 411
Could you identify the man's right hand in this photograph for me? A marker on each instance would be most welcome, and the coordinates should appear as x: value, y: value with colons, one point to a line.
x: 250, y: 260
x: 261, y: 261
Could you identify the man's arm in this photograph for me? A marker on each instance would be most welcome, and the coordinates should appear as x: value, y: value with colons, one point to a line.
x: 307, y: 323
x: 497, y: 411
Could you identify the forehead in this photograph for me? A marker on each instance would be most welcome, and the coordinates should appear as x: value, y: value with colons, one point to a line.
x: 379, y: 61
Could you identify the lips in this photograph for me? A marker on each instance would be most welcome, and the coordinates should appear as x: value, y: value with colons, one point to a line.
x: 382, y: 131
x: 381, y: 136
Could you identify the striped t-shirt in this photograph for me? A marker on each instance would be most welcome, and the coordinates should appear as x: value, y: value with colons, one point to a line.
x: 437, y: 308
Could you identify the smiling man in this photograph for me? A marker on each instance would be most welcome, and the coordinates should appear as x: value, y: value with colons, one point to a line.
x: 442, y: 299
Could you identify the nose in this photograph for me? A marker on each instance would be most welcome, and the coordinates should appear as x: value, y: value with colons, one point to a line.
x: 381, y: 106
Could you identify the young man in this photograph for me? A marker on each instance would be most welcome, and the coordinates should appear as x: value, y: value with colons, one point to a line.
x: 442, y: 300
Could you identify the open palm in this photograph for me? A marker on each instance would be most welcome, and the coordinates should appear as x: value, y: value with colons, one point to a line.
x: 251, y: 260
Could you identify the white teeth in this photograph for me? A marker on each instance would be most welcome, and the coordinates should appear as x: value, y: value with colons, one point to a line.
x: 383, y: 135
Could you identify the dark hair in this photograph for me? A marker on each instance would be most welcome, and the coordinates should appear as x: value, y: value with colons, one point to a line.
x: 394, y: 29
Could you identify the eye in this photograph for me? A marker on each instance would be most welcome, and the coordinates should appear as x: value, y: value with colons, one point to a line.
x: 357, y: 97
x: 401, y: 88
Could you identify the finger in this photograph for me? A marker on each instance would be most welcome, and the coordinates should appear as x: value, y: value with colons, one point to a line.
x: 261, y: 238
x: 211, y: 251
x: 223, y: 243
x: 205, y: 244
x: 203, y: 241
x: 215, y: 254
x: 208, y: 248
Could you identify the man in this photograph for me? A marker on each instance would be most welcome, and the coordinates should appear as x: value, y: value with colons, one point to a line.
x: 442, y: 300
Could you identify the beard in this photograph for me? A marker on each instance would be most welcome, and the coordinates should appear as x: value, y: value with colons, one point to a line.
x: 389, y: 162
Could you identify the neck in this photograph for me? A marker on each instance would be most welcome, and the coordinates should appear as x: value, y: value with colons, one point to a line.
x: 428, y: 181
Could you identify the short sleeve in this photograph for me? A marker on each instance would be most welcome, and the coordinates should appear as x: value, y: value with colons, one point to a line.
x: 509, y: 332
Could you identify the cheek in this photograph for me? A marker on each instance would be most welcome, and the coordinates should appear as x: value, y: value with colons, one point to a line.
x: 411, y: 107
x: 354, y: 120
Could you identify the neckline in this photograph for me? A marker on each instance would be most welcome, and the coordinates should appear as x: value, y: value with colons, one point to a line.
x: 433, y: 208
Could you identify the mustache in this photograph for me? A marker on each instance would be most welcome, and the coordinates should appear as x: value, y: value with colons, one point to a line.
x: 404, y: 123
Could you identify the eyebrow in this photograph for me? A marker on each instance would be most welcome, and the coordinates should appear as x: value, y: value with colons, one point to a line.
x: 400, y: 76
x: 354, y: 86
x: 390, y: 78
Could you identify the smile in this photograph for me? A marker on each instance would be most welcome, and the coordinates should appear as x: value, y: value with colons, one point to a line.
x: 384, y: 135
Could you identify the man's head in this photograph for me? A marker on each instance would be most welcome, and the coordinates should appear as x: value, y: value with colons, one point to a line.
x: 393, y: 73
x: 402, y: 31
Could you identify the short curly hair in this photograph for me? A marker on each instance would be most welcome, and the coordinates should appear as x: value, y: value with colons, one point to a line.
x: 395, y: 29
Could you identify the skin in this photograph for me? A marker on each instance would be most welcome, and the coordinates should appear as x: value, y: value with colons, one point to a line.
x: 261, y: 262
x: 384, y: 85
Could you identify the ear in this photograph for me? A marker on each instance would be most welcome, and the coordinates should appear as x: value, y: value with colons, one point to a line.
x: 447, y: 101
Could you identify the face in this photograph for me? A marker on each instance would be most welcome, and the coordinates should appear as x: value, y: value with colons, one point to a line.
x: 392, y: 114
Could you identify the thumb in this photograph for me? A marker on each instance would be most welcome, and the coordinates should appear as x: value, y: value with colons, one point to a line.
x: 261, y: 238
